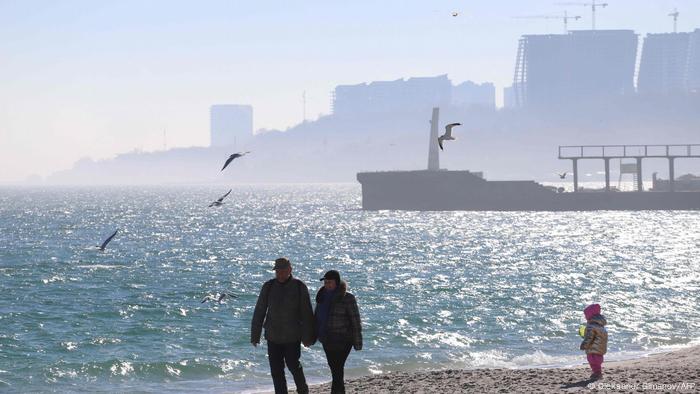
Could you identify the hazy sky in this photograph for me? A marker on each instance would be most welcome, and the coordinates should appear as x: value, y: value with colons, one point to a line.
x: 95, y: 78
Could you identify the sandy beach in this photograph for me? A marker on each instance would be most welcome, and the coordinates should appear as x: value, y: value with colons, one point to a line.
x: 673, y: 372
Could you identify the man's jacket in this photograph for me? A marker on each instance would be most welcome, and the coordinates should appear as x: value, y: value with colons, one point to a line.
x: 284, y: 310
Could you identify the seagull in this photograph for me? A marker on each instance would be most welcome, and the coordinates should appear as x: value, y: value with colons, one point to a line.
x: 562, y: 176
x: 104, y: 244
x: 455, y: 13
x: 220, y: 201
x: 233, y: 156
x: 218, y: 297
x: 448, y: 134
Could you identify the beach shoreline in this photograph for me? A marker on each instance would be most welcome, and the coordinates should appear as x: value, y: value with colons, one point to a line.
x: 672, y: 371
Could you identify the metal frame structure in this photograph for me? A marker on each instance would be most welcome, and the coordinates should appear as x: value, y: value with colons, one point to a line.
x: 638, y: 152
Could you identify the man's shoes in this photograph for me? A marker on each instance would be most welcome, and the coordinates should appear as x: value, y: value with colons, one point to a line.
x: 596, y: 376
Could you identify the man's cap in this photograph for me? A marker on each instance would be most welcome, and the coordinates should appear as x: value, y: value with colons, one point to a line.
x: 332, y: 274
x: 282, y: 263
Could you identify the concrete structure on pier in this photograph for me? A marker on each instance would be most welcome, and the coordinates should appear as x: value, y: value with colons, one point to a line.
x: 637, y: 152
x: 687, y: 182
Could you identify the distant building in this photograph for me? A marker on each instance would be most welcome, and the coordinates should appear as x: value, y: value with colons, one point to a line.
x: 411, y: 94
x: 509, y: 97
x: 230, y: 125
x: 393, y: 96
x: 468, y: 94
x: 693, y: 79
x: 663, y: 69
x: 557, y: 70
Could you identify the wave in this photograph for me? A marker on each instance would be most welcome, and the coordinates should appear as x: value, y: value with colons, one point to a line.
x: 490, y: 359
x: 101, y: 266
x: 540, y: 359
x: 188, y: 369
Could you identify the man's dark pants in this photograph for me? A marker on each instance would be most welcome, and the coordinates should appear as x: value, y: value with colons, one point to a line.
x: 278, y: 354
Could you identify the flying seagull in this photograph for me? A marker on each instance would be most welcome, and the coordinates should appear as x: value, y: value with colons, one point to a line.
x: 455, y: 13
x: 104, y: 244
x: 448, y: 134
x: 220, y: 201
x: 218, y: 297
x: 562, y: 176
x: 233, y: 156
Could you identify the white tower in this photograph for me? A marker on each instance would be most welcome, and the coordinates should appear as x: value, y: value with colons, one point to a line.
x: 433, y: 152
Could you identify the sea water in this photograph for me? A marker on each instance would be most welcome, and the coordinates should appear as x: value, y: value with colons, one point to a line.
x: 435, y: 289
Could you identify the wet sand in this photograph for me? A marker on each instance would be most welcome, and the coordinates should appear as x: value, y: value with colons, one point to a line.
x: 673, y: 372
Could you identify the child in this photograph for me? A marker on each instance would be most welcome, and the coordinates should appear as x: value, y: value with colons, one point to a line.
x: 595, y: 340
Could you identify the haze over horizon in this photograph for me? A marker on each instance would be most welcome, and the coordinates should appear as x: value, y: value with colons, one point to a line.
x: 87, y: 79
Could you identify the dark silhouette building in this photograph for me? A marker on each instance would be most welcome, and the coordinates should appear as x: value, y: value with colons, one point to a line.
x: 411, y: 95
x: 470, y: 94
x: 579, y: 67
x: 693, y: 79
x: 663, y: 69
x: 392, y: 96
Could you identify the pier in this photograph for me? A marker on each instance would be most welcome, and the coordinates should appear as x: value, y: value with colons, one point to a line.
x: 433, y: 189
x: 637, y: 152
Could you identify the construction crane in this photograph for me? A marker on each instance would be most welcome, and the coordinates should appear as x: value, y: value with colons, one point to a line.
x: 565, y: 18
x: 593, y: 6
x: 675, y: 14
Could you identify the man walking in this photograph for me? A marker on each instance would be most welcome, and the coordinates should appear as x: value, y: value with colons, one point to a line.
x: 284, y: 309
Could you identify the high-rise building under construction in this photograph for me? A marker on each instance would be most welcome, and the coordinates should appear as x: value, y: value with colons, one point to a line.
x: 664, y: 68
x: 694, y: 62
x: 557, y: 70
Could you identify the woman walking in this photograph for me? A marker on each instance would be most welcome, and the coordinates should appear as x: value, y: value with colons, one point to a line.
x: 338, y: 325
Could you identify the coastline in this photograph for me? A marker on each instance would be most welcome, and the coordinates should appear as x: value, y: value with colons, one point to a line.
x: 673, y: 371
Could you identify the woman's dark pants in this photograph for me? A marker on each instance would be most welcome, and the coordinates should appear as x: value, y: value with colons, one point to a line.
x: 336, y: 354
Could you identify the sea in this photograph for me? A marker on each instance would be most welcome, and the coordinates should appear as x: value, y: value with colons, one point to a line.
x: 436, y: 290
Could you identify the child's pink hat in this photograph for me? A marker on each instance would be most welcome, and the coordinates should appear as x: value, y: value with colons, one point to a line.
x: 591, y: 310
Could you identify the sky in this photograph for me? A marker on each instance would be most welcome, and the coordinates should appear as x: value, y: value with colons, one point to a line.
x: 98, y: 78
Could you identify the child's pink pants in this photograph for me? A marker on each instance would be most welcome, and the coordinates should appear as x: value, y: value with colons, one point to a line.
x: 596, y: 363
